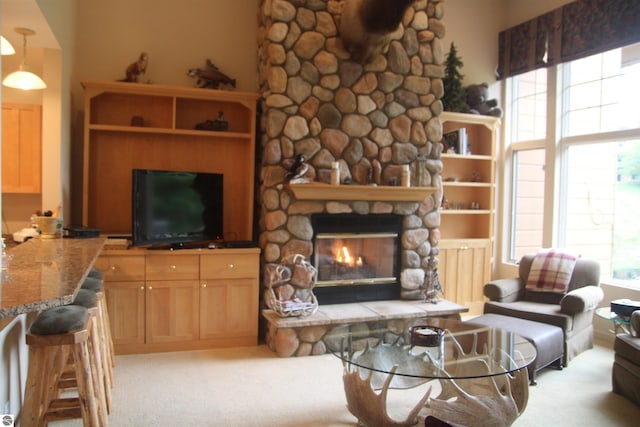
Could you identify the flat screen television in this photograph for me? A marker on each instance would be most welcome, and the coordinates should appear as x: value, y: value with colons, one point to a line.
x: 175, y: 208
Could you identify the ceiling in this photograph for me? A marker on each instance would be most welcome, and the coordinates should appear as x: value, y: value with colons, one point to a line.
x: 26, y: 13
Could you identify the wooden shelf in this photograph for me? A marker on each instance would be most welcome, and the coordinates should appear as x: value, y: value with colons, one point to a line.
x: 490, y: 122
x: 466, y: 184
x: 322, y: 191
x: 194, y: 132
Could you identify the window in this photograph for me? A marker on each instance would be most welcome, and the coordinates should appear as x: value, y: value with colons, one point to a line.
x: 528, y: 202
x: 601, y: 93
x: 597, y: 161
x: 529, y: 106
x: 528, y: 138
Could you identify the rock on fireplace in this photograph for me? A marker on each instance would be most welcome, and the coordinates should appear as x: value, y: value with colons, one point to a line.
x: 357, y: 257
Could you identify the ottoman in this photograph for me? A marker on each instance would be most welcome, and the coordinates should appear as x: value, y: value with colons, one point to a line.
x: 547, y: 339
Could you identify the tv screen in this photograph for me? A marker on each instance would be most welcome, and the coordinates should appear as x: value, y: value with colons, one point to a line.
x: 176, y: 208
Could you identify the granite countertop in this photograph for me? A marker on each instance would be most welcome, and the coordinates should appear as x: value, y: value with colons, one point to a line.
x: 45, y: 273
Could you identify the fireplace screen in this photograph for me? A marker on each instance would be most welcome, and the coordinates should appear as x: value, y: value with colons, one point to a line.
x: 355, y: 258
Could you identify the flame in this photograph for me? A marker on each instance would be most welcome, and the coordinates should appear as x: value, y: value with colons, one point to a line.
x: 344, y: 256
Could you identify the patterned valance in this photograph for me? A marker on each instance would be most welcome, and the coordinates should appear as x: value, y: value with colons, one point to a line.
x: 575, y: 30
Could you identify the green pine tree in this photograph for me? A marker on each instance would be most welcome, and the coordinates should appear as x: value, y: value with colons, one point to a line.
x: 454, y: 96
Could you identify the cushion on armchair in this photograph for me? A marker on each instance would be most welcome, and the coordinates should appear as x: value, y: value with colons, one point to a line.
x: 551, y: 271
x: 581, y: 299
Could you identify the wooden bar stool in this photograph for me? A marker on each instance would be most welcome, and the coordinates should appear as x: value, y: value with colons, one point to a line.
x: 57, y: 334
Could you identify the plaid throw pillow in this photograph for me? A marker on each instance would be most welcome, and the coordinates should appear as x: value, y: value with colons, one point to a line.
x: 551, y: 271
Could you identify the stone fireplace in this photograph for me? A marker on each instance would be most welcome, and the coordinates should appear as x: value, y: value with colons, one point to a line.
x: 374, y: 119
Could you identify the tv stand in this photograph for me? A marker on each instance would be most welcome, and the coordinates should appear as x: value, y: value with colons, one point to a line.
x: 189, y: 299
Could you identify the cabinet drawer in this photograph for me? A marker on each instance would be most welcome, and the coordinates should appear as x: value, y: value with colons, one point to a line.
x: 231, y: 266
x: 121, y: 268
x: 172, y: 267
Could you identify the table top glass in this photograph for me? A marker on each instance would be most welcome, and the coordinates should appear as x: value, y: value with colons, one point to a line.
x: 606, y: 313
x: 466, y: 351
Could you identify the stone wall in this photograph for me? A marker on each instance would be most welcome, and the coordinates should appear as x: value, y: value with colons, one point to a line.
x: 372, y: 118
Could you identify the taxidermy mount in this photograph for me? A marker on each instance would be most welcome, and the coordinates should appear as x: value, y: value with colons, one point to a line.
x: 366, y: 25
x: 137, y: 68
x: 210, y: 76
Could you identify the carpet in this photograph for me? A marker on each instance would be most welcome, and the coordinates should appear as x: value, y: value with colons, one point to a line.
x: 251, y: 386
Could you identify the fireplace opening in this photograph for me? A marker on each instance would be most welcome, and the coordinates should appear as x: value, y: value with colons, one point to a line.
x: 357, y: 257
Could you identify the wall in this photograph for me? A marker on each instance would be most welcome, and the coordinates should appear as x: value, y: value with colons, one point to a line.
x: 474, y: 31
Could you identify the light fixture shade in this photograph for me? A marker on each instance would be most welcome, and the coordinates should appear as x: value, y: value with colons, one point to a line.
x: 24, y: 79
x: 6, y: 48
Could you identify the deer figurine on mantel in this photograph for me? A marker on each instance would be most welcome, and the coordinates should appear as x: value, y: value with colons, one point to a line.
x: 366, y: 25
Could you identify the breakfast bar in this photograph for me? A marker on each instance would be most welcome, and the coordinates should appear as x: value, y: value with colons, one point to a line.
x: 45, y: 273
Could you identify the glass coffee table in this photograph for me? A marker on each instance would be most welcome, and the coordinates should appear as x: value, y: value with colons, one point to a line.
x: 459, y: 372
x: 620, y: 323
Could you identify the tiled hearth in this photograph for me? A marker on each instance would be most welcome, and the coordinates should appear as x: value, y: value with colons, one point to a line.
x: 373, y: 119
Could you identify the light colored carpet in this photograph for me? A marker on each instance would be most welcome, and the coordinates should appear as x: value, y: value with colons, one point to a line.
x: 253, y: 387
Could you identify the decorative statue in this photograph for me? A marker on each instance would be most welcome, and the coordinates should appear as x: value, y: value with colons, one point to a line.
x: 297, y: 170
x: 431, y: 287
x: 366, y: 25
x: 137, y: 68
x: 211, y: 77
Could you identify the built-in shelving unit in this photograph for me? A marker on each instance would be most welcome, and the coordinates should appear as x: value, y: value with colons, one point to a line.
x: 467, y: 214
x: 146, y: 126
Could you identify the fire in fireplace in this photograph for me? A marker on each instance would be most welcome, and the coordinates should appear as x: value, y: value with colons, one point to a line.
x: 357, y: 257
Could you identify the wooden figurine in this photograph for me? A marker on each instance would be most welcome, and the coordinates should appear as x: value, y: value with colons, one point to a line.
x: 135, y: 69
x: 211, y: 77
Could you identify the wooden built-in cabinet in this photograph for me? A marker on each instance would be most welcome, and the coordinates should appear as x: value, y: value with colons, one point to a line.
x: 21, y: 148
x: 467, y: 215
x: 181, y: 300
x: 146, y: 126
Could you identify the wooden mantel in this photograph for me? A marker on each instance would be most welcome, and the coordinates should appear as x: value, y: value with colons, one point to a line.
x: 323, y: 191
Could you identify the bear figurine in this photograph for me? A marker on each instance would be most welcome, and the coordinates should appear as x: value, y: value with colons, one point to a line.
x: 477, y: 102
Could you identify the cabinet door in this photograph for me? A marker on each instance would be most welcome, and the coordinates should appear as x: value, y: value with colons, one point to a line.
x: 229, y: 307
x: 171, y: 311
x: 21, y: 148
x: 125, y: 303
x: 465, y: 267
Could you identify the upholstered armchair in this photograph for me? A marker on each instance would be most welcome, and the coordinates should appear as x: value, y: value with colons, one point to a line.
x: 571, y: 310
x: 625, y: 375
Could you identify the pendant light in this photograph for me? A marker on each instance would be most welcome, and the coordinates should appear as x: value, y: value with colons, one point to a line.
x: 6, y: 48
x: 23, y: 78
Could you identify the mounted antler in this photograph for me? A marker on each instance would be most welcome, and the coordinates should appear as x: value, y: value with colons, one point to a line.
x: 367, y: 24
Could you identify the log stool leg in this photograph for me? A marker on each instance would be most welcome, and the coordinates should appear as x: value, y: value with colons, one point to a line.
x: 101, y: 383
x: 94, y: 283
x: 105, y: 338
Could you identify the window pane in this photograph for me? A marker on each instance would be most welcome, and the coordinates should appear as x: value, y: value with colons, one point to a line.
x: 528, y: 200
x: 529, y: 106
x: 602, y: 206
x: 601, y: 93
